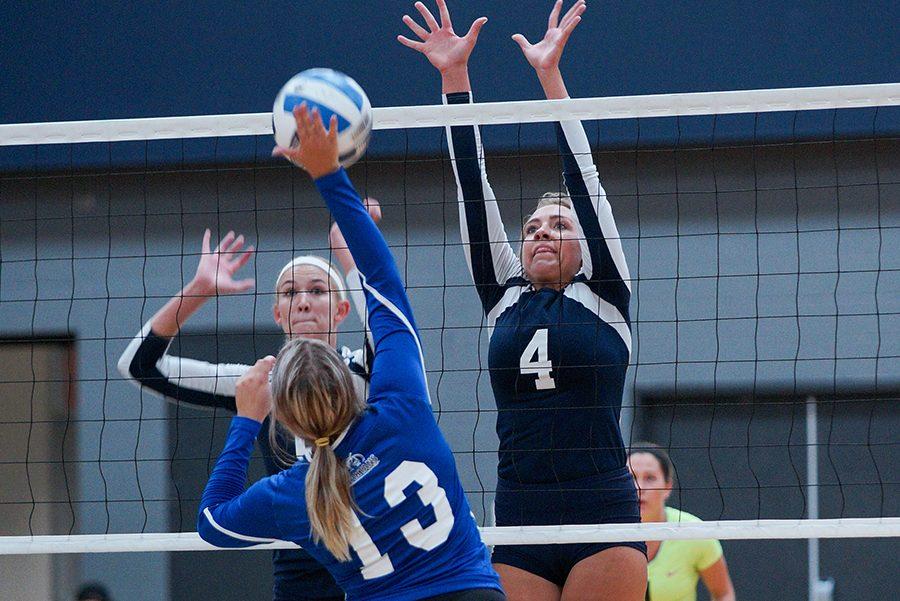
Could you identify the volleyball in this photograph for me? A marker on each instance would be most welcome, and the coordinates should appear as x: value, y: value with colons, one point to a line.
x: 333, y: 93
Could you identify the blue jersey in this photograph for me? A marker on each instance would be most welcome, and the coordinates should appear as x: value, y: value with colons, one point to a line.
x: 415, y: 535
x: 557, y: 359
x: 148, y: 363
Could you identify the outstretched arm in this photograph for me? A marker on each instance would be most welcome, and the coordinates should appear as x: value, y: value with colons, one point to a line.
x: 491, y: 260
x: 398, y: 365
x: 229, y: 516
x: 341, y: 252
x: 146, y: 361
x: 603, y: 259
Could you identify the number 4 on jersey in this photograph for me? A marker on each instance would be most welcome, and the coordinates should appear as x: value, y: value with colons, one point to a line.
x: 535, y: 360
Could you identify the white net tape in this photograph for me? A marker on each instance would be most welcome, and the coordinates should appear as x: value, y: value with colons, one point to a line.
x: 488, y: 113
x: 530, y: 535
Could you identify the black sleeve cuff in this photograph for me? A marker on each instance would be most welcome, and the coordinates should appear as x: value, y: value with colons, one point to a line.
x: 459, y: 98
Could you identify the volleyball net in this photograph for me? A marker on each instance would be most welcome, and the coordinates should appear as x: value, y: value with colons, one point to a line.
x: 760, y: 228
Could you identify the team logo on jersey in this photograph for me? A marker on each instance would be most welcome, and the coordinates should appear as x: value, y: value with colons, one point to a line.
x: 359, y: 466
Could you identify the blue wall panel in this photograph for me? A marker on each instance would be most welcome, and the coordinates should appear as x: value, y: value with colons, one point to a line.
x: 109, y: 59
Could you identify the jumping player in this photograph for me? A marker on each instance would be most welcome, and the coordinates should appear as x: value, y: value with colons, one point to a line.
x: 380, y: 503
x: 559, y: 339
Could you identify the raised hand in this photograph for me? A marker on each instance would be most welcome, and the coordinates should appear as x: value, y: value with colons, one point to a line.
x: 216, y: 269
x: 317, y: 151
x: 440, y: 44
x: 544, y: 56
x: 253, y: 395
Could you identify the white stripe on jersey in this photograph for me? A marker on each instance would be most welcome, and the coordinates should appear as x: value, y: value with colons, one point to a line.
x: 506, y: 264
x: 396, y: 311
x: 581, y: 292
x: 510, y: 297
x: 237, y: 536
x: 577, y: 291
x: 581, y: 150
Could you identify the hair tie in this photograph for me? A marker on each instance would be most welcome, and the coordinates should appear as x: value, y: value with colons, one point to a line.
x: 323, y: 442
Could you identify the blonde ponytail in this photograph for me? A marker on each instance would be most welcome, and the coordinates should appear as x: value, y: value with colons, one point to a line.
x: 329, y: 502
x: 315, y: 399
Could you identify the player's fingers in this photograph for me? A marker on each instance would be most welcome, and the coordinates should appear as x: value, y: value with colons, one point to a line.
x: 315, y: 121
x: 224, y: 242
x: 204, y: 248
x: 297, y: 112
x: 445, y: 14
x: 243, y: 258
x: 236, y: 244
x: 577, y: 9
x: 415, y: 27
x: 332, y: 127
x: 475, y: 29
x: 281, y: 151
x: 570, y: 28
x: 429, y: 18
x: 553, y: 21
x: 523, y: 43
x: 301, y: 114
x: 417, y: 46
x: 233, y: 248
x: 261, y: 369
x: 245, y: 285
x: 265, y: 364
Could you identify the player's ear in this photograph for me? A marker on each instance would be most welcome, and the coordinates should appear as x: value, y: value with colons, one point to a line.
x: 276, y: 314
x: 342, y: 310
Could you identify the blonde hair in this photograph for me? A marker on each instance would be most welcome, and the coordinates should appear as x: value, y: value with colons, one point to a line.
x: 314, y: 399
x: 549, y: 199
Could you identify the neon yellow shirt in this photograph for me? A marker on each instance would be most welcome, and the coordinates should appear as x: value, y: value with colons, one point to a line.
x: 675, y: 570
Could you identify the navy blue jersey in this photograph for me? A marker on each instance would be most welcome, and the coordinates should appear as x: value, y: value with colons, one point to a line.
x: 415, y: 535
x: 147, y: 363
x: 557, y: 359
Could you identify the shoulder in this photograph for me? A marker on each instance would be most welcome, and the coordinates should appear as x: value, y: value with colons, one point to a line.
x: 287, y: 488
x: 678, y: 515
x: 398, y: 415
x: 704, y: 552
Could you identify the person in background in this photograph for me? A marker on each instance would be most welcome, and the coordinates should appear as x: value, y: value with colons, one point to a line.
x: 92, y: 591
x: 311, y: 301
x: 675, y: 565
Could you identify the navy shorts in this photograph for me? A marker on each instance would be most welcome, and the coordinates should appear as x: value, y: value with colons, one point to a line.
x: 609, y: 498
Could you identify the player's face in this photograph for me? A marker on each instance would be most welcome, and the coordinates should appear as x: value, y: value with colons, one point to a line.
x: 305, y: 306
x: 551, y: 253
x: 653, y: 489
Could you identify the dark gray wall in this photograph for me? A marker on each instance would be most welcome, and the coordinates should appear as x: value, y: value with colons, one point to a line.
x: 749, y: 275
x: 737, y: 457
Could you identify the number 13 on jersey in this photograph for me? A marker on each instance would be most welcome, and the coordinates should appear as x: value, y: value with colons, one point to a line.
x: 535, y: 359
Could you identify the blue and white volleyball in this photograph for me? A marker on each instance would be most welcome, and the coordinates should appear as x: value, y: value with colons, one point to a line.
x: 333, y: 93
